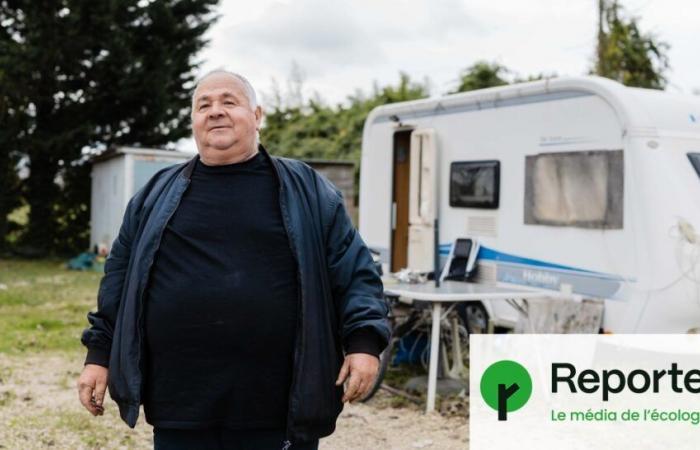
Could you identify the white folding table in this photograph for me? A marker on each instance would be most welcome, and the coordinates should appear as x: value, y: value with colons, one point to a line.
x: 453, y: 292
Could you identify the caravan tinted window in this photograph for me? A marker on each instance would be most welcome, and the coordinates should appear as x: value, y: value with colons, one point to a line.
x: 695, y: 161
x: 579, y: 189
x: 474, y: 184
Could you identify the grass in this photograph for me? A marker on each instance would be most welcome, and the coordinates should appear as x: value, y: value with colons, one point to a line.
x: 7, y: 397
x: 83, y: 429
x: 43, y: 306
x: 397, y: 376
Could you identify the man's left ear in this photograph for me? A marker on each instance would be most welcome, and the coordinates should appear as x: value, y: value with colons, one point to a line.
x: 258, y: 117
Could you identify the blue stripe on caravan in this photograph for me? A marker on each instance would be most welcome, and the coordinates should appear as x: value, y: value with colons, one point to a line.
x: 489, y: 254
x: 494, y: 255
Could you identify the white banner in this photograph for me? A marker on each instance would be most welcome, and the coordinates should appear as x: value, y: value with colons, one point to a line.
x: 584, y: 392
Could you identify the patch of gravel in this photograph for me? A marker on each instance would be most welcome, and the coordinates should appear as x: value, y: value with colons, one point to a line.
x: 364, y: 426
x: 42, y: 409
x: 39, y: 409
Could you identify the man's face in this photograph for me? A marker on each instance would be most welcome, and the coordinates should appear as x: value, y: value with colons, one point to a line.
x: 222, y: 118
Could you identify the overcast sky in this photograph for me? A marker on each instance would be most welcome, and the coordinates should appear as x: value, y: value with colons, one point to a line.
x: 342, y: 46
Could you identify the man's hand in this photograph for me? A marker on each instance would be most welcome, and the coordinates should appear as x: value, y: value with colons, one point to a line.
x: 360, y: 369
x: 92, y: 385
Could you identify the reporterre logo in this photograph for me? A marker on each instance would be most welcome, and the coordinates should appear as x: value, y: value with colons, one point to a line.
x: 506, y: 386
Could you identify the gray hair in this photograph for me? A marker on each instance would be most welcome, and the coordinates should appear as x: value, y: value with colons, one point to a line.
x: 247, y: 87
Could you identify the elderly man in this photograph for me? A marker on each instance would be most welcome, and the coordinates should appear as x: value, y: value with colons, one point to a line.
x: 238, y: 298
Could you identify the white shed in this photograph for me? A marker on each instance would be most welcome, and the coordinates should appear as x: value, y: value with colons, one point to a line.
x: 116, y: 176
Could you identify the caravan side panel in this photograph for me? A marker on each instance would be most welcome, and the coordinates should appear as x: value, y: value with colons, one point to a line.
x: 376, y: 187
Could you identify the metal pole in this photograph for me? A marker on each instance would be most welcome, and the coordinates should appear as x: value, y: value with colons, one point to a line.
x: 434, y: 348
x: 436, y: 261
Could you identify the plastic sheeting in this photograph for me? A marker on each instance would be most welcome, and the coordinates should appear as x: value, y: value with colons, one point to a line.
x: 562, y: 317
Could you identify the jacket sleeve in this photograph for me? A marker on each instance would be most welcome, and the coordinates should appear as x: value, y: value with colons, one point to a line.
x: 356, y: 286
x: 98, y: 337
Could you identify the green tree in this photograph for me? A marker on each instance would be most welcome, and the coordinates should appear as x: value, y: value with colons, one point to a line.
x: 316, y: 130
x: 9, y: 181
x: 480, y: 75
x: 312, y: 130
x: 624, y: 53
x: 483, y: 74
x: 88, y: 75
x: 9, y: 120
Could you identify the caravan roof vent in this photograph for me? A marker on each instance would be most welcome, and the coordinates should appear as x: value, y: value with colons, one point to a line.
x: 481, y: 226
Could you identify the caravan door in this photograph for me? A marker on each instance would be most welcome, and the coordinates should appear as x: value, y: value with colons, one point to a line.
x: 423, y: 197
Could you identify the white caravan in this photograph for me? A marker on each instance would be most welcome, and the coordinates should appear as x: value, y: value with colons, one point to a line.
x: 567, y: 183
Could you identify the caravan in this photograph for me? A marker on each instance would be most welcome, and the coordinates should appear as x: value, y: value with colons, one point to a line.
x: 577, y: 184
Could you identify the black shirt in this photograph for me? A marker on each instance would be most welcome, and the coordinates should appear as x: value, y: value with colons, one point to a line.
x: 221, y: 306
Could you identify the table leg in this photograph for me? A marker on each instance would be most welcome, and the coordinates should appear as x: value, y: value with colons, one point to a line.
x: 434, y: 347
x: 458, y: 369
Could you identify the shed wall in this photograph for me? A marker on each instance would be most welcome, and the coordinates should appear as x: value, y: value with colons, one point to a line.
x: 343, y: 178
x: 108, y: 200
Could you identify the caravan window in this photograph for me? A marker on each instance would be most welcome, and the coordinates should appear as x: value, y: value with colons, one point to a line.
x: 474, y: 184
x: 695, y: 161
x: 578, y: 189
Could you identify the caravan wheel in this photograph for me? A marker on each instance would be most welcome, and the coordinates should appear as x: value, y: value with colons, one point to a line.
x: 474, y: 315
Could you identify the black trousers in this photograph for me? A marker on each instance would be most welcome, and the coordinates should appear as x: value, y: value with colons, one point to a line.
x: 223, y: 439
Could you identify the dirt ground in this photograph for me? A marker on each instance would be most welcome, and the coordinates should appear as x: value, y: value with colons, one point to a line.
x: 39, y: 409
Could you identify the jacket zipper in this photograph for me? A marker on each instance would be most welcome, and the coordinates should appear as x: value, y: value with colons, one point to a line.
x: 139, y: 321
x: 300, y: 303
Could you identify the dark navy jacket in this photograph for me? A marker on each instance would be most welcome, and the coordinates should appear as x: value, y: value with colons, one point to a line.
x: 339, y: 289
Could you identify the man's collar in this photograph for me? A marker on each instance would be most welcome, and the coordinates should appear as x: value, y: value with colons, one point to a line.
x: 187, y: 173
